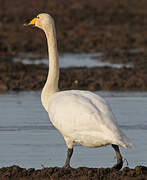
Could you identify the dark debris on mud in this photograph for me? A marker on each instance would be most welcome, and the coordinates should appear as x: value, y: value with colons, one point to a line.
x: 82, y: 173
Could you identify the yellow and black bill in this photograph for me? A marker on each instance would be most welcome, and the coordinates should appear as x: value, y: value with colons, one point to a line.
x: 30, y: 22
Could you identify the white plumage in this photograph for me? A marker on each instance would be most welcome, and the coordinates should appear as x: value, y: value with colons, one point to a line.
x: 80, y: 116
x: 84, y: 117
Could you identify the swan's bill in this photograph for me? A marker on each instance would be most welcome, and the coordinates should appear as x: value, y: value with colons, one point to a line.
x: 32, y: 22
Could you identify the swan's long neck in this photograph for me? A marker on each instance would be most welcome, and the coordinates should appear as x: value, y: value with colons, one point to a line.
x: 51, y: 85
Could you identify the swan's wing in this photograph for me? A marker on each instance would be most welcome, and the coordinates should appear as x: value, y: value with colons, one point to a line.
x: 80, y: 111
x: 108, y: 118
x: 81, y: 106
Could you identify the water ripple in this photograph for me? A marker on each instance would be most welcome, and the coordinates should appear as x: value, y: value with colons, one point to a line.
x: 135, y: 127
x: 51, y: 127
x: 25, y: 128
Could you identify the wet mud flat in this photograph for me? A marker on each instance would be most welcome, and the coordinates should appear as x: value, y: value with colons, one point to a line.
x: 18, y: 77
x: 82, y: 173
x: 116, y: 28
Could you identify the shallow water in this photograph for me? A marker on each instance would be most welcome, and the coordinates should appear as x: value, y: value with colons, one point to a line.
x: 28, y: 139
x: 72, y: 60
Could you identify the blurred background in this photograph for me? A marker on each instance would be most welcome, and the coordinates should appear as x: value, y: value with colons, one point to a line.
x: 114, y: 27
x: 114, y: 30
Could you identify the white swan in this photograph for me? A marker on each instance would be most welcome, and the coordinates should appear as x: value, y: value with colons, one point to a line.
x: 80, y: 116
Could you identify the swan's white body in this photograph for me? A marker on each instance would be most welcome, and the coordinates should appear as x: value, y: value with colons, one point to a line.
x: 84, y: 117
x: 80, y: 116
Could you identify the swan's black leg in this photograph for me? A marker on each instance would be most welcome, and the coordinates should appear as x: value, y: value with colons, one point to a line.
x: 119, y: 164
x: 69, y: 154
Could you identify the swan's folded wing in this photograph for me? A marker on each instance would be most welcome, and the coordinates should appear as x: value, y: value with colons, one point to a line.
x: 81, y: 111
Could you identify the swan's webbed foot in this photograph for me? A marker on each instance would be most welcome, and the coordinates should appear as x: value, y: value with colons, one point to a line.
x: 119, y: 163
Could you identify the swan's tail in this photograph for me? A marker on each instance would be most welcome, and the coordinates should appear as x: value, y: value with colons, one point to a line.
x: 124, y: 141
x: 125, y: 144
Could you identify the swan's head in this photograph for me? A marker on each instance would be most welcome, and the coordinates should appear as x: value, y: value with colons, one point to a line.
x: 41, y: 21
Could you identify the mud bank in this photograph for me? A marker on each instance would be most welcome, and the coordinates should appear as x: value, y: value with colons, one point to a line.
x: 112, y: 27
x: 82, y: 173
x: 17, y: 76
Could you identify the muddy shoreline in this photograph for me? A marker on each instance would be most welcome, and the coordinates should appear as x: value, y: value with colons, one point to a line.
x: 20, y: 77
x: 115, y: 28
x: 82, y: 173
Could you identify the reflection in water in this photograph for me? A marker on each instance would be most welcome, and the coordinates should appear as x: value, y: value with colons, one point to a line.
x: 28, y: 139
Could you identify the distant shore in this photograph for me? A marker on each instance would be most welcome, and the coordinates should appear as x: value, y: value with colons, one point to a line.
x: 20, y: 77
x: 115, y: 28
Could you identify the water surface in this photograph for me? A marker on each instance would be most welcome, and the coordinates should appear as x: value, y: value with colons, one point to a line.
x: 28, y: 139
x: 72, y: 60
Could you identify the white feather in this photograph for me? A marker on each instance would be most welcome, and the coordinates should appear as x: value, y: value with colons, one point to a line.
x: 84, y: 117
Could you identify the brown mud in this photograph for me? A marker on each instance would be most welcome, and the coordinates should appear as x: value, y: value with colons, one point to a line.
x: 115, y: 28
x: 17, y: 77
x: 82, y: 173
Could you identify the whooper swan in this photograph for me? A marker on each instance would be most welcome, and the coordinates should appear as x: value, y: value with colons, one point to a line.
x: 80, y: 116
